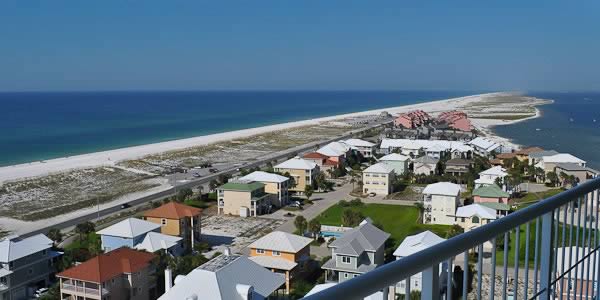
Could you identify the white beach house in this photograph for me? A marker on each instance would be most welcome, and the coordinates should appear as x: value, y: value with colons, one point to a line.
x: 363, y: 147
x: 397, y: 161
x: 440, y: 201
x: 378, y: 179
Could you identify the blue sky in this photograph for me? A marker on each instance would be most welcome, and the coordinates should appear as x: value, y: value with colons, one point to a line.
x: 158, y: 45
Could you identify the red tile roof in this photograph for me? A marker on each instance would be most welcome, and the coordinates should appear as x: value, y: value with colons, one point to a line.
x: 315, y: 155
x: 106, y: 266
x: 173, y: 210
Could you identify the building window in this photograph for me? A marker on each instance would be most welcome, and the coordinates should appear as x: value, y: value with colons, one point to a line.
x: 462, y: 220
x: 475, y: 219
x: 260, y: 251
x: 346, y: 259
x: 276, y: 253
x: 163, y: 221
x: 345, y: 275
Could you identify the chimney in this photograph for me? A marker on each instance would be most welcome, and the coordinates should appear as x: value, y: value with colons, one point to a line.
x: 168, y: 279
x: 244, y: 291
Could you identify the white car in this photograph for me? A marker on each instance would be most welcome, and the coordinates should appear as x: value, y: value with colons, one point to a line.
x: 40, y: 292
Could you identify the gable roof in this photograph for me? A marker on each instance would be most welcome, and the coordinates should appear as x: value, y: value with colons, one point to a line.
x: 458, y: 162
x: 315, y: 155
x: 334, y: 149
x: 394, y: 157
x: 109, y: 265
x: 365, y: 237
x: 244, y: 186
x: 296, y: 163
x: 476, y: 210
x: 14, y: 247
x: 154, y: 241
x: 495, y: 171
x: 281, y: 241
x: 563, y: 158
x: 542, y: 153
x: 129, y: 228
x: 418, y: 242
x: 528, y: 150
x: 220, y: 278
x: 442, y: 188
x: 379, y: 168
x: 484, y: 143
x: 490, y: 191
x: 426, y: 160
x: 173, y: 210
x: 271, y: 262
x: 496, y: 206
x: 265, y: 177
x: 358, y: 143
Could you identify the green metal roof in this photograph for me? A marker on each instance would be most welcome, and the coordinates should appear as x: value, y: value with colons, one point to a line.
x: 490, y: 191
x: 239, y: 186
x: 496, y: 206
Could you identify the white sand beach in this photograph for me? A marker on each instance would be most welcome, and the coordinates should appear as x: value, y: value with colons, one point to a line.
x: 111, y: 157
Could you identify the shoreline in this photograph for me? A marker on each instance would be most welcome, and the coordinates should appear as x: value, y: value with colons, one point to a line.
x: 112, y: 157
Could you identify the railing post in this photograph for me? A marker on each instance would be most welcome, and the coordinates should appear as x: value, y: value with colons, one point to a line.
x: 546, y: 261
x: 431, y: 283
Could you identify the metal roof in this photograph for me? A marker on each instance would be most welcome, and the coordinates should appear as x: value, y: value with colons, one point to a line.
x: 281, y: 241
x: 129, y: 228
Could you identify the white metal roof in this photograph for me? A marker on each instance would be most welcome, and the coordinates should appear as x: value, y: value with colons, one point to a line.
x: 442, y: 188
x: 222, y: 279
x: 415, y: 243
x: 395, y: 157
x: 563, y: 158
x: 154, y: 241
x: 358, y: 143
x: 497, y: 171
x: 271, y: 262
x: 379, y: 168
x: 476, y: 210
x: 319, y: 287
x: 334, y: 149
x: 484, y: 143
x: 129, y: 228
x: 434, y: 145
x: 264, y: 177
x: 14, y: 247
x: 281, y: 241
x: 297, y: 163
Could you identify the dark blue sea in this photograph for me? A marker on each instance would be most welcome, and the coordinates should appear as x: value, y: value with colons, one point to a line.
x: 37, y: 126
x: 571, y: 124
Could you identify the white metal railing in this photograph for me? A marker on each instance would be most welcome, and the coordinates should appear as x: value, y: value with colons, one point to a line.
x: 531, y: 256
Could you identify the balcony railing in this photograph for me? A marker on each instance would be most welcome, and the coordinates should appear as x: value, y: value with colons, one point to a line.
x: 84, y: 290
x: 557, y: 257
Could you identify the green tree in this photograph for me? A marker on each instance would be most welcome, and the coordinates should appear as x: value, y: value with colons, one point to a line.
x: 212, y: 185
x: 419, y: 205
x: 301, y: 224
x: 314, y: 227
x: 351, y: 218
x: 553, y: 178
x: 55, y: 235
x: 52, y: 294
x: 183, y: 194
x: 84, y: 229
x: 308, y: 192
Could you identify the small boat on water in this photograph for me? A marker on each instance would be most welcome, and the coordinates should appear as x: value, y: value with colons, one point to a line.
x: 571, y: 120
x: 538, y: 129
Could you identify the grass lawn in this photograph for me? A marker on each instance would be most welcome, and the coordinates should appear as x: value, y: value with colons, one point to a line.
x: 399, y: 221
x: 533, y: 197
x: 89, y: 239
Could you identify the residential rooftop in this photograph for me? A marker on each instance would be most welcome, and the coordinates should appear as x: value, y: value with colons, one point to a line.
x: 129, y: 228
x: 242, y: 186
x: 173, y: 210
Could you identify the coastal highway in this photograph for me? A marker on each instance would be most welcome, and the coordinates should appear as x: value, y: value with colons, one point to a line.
x: 197, y: 182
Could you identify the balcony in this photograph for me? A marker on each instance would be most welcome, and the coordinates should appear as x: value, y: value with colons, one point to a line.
x: 87, y: 291
x: 558, y: 257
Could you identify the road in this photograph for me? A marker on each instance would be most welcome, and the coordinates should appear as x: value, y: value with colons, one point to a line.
x: 67, y: 225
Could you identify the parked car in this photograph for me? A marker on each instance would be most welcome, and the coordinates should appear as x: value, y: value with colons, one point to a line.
x: 125, y: 205
x: 296, y: 204
x: 197, y: 175
x: 213, y: 170
x: 372, y: 194
x: 40, y: 292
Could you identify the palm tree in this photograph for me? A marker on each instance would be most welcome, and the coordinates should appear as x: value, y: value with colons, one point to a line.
x: 314, y: 227
x: 300, y: 223
x: 55, y: 235
x: 419, y: 205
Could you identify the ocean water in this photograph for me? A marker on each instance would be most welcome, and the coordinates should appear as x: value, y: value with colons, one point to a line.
x: 38, y: 126
x: 571, y: 124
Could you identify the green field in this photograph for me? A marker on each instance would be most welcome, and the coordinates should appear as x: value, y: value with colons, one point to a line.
x: 534, y: 197
x: 399, y: 221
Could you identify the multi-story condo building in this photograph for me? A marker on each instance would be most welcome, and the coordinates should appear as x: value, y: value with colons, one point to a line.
x: 282, y: 252
x: 378, y: 179
x: 303, y: 171
x: 275, y: 184
x: 27, y: 264
x: 243, y: 198
x: 357, y: 251
x: 176, y: 219
x: 120, y: 274
x: 440, y: 201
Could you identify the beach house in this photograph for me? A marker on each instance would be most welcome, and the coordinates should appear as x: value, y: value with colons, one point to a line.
x: 536, y: 156
x: 397, y: 161
x: 275, y: 184
x: 224, y: 277
x: 523, y: 154
x: 580, y: 173
x: 303, y: 171
x: 485, y: 147
x: 490, y: 176
x: 378, y: 179
x: 411, y: 245
x: 548, y: 163
x: 177, y: 219
x: 490, y: 194
x: 425, y: 165
x: 457, y: 166
x: 365, y: 148
x: 460, y: 150
x: 127, y: 233
x: 440, y: 201
x: 243, y: 198
x: 357, y: 251
x: 336, y: 151
x: 282, y: 253
x: 474, y: 215
x: 120, y: 274
x: 27, y: 264
x: 324, y: 163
